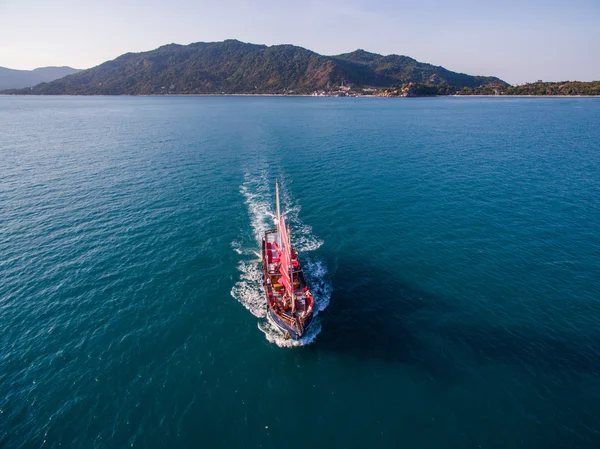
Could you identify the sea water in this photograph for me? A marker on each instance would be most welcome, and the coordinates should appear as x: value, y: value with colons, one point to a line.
x: 453, y: 245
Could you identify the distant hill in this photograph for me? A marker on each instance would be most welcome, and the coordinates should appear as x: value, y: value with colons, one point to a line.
x: 16, y: 79
x: 394, y: 69
x: 539, y: 88
x: 559, y: 88
x: 234, y: 67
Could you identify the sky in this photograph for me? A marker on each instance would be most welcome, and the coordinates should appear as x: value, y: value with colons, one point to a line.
x: 516, y: 40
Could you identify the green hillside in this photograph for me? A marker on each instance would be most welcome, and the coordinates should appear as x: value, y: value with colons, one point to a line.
x: 234, y: 67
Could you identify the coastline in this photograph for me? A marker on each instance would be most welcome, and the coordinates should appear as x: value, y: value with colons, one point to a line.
x: 299, y: 95
x: 528, y: 96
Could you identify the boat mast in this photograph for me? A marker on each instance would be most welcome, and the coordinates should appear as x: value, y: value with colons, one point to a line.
x: 277, y: 204
x: 289, y: 242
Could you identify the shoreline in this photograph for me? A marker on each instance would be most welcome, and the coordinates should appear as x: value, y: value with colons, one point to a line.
x: 528, y: 96
x: 297, y: 95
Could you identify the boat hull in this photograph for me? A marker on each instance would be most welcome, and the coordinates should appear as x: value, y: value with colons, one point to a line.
x: 285, y: 328
x: 291, y: 326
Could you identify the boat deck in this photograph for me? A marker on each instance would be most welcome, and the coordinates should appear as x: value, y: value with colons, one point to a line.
x: 273, y: 271
x: 270, y: 237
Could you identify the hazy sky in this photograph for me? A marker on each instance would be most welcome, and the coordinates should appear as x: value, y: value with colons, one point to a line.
x: 516, y: 40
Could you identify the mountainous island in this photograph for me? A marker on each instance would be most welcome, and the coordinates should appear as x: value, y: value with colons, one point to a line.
x: 15, y: 79
x: 234, y: 67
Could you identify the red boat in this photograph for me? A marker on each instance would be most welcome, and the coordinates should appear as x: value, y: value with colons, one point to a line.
x: 290, y: 303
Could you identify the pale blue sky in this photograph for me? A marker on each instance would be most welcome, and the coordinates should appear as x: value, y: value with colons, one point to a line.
x: 518, y: 41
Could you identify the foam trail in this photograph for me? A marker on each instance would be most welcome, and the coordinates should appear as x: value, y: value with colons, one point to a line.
x: 248, y: 290
x: 316, y: 274
x: 259, y: 198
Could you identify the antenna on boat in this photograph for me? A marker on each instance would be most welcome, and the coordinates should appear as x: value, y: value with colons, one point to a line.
x: 277, y: 203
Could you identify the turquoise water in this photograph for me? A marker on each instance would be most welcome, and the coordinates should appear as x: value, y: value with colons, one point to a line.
x: 454, y: 244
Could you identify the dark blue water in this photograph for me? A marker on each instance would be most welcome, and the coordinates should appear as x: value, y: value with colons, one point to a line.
x: 454, y: 245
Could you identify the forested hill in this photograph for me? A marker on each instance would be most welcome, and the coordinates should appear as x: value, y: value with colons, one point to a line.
x: 232, y: 67
x: 394, y: 69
